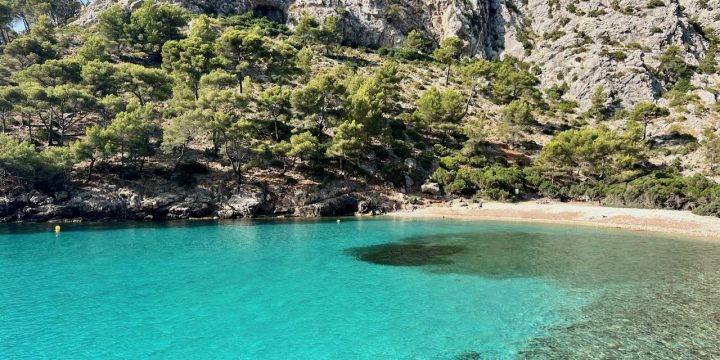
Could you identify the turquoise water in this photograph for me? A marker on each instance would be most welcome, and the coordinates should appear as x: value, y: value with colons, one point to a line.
x: 360, y: 289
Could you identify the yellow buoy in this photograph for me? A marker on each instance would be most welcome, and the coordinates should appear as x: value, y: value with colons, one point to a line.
x: 57, y: 228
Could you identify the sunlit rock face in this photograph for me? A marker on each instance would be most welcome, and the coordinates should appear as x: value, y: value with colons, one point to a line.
x: 585, y: 44
x: 366, y: 22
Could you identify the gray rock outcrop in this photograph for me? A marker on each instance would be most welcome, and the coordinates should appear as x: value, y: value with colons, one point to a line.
x: 431, y: 188
x: 96, y: 204
x: 613, y: 43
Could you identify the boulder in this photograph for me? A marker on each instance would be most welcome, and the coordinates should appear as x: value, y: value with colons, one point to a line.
x: 366, y: 206
x: 346, y: 204
x: 247, y: 201
x: 410, y: 164
x: 40, y: 199
x: 187, y: 210
x: 61, y: 195
x: 7, y: 206
x: 96, y: 205
x: 409, y: 181
x: 159, y: 202
x: 48, y: 212
x: 707, y: 97
x: 431, y: 188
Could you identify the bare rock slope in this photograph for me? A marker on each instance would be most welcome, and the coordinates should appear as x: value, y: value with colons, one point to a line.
x: 614, y: 43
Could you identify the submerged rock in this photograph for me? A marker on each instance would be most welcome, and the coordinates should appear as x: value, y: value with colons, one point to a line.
x: 396, y: 254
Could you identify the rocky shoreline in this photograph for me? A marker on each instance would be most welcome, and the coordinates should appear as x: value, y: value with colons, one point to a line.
x: 109, y: 202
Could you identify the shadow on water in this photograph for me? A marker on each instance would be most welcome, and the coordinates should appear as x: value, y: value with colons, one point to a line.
x: 573, y: 260
x: 396, y: 254
x: 658, y: 297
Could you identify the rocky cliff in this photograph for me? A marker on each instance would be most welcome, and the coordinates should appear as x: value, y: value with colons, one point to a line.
x: 616, y: 44
x: 613, y: 43
x: 135, y: 201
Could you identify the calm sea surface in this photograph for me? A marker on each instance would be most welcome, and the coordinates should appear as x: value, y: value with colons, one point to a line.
x: 359, y: 289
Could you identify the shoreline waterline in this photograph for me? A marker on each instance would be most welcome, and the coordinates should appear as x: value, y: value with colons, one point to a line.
x: 661, y: 221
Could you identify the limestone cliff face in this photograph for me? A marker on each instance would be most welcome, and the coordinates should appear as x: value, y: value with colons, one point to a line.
x: 615, y: 43
x: 366, y: 22
x: 386, y: 23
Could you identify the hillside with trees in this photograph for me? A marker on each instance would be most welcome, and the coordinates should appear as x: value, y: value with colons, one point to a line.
x: 159, y: 112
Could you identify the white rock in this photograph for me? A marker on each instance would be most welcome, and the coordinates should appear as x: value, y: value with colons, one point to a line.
x: 432, y: 188
x: 707, y: 97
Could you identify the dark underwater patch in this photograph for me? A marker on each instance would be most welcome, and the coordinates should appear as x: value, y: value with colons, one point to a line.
x: 470, y: 355
x: 396, y: 254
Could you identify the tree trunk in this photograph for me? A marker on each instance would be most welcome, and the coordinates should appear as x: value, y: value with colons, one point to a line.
x: 321, y: 125
x: 177, y: 162
x: 447, y: 75
x: 90, y: 169
x: 62, y: 136
x: 277, y: 138
x: 25, y: 23
x: 139, y: 97
x: 240, y: 81
x: 470, y: 97
x: 49, y: 130
x: 216, y: 143
x: 29, y: 126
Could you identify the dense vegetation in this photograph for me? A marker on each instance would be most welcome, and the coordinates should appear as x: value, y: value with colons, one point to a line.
x: 246, y: 94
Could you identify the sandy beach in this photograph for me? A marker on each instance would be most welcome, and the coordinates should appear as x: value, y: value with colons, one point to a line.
x: 666, y: 221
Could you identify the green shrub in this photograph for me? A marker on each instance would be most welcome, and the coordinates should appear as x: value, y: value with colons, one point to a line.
x: 381, y: 153
x: 567, y: 106
x: 614, y: 55
x: 554, y: 35
x: 443, y: 176
x: 401, y: 149
x: 186, y: 180
x: 425, y: 159
x: 47, y: 168
x: 441, y: 150
x: 452, y: 162
x: 711, y: 209
x: 192, y: 167
x: 652, y: 4
x: 414, y: 135
x: 499, y: 182
x: 397, y: 128
x: 460, y: 186
x: 395, y: 173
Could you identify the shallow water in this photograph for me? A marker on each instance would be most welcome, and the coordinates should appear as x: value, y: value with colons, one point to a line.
x: 360, y: 289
